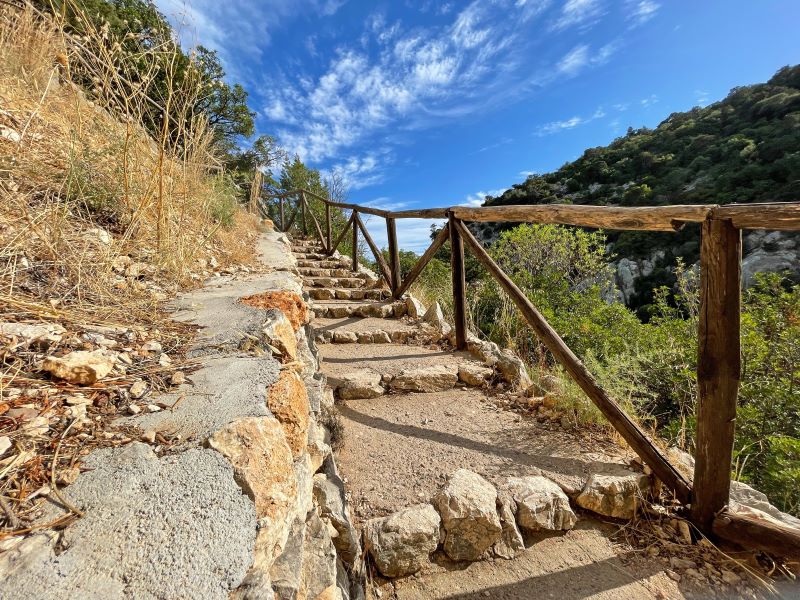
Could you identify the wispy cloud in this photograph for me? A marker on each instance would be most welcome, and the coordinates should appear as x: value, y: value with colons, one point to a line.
x: 571, y: 123
x: 702, y: 97
x: 582, y: 56
x: 641, y: 11
x: 649, y: 101
x: 580, y: 13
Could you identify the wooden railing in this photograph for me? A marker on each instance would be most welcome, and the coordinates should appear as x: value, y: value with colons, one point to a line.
x: 719, y: 368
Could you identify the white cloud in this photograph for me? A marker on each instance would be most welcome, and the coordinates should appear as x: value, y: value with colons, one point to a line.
x: 412, y: 234
x: 649, y: 101
x: 478, y: 198
x: 410, y: 78
x: 582, y: 13
x: 574, y: 60
x: 571, y: 123
x: 527, y: 174
x: 641, y: 11
x: 359, y: 172
x: 702, y: 97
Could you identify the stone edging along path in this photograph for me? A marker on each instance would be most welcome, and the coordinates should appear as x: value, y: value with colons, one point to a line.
x: 244, y: 501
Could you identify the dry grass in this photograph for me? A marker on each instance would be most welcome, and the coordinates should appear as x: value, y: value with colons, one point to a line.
x: 99, y: 224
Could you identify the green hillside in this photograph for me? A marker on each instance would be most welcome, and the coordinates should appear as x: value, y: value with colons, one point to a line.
x: 745, y: 148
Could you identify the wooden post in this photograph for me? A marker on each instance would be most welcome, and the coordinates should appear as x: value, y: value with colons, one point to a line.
x: 283, y: 215
x: 394, y: 252
x: 718, y: 368
x: 328, y: 221
x: 459, y: 284
x: 355, y: 242
x: 303, y: 214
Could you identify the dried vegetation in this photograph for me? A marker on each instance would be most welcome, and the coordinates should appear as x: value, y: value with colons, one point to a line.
x: 99, y: 225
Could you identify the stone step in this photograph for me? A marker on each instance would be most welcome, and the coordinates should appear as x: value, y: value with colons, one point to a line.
x: 311, y: 256
x: 344, y: 294
x: 397, y: 369
x: 334, y: 282
x: 333, y: 309
x: 367, y: 330
x: 335, y: 272
x: 331, y: 263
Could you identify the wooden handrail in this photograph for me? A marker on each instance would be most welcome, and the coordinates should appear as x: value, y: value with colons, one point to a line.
x: 718, y: 360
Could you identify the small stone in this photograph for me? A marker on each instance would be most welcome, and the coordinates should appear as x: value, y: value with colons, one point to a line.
x: 138, y: 389
x: 673, y: 575
x: 5, y: 444
x: 178, y: 378
x: 153, y: 408
x: 149, y: 436
x: 68, y: 476
x: 81, y: 367
x: 685, y: 532
x: 164, y: 360
x: 133, y: 409
x: 151, y: 346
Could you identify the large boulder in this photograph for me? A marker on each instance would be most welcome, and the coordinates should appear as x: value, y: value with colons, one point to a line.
x: 540, y: 504
x: 616, y: 495
x: 81, y: 367
x: 513, y: 369
x: 363, y: 383
x: 435, y: 378
x: 435, y: 317
x: 468, y: 507
x: 402, y: 543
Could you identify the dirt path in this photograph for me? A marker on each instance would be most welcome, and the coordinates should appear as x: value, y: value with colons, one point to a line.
x: 400, y: 447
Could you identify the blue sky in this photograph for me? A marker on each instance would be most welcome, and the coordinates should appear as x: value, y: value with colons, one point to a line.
x: 427, y: 103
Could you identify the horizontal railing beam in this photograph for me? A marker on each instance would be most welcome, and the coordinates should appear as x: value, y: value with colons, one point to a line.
x: 648, y: 218
x: 783, y: 216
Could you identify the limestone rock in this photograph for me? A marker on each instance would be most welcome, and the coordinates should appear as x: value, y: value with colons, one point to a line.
x: 81, y: 367
x: 365, y: 337
x: 402, y: 543
x: 345, y: 337
x: 280, y: 334
x: 750, y: 501
x: 381, y: 337
x: 319, y: 564
x: 435, y: 378
x: 329, y: 497
x: 288, y: 400
x: 615, y: 496
x: 26, y: 334
x: 435, y: 317
x: 262, y: 462
x: 511, y: 541
x: 414, y: 307
x: 473, y: 374
x: 513, y: 369
x: 468, y: 507
x: 541, y: 504
x: 363, y: 383
x: 138, y: 389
